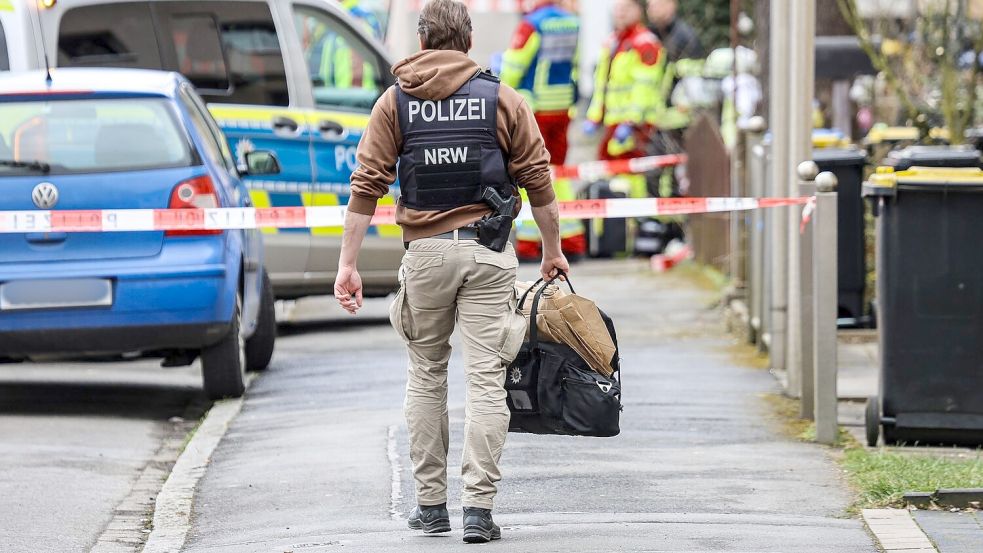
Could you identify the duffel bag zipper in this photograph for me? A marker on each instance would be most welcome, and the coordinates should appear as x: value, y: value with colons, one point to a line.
x: 603, y: 385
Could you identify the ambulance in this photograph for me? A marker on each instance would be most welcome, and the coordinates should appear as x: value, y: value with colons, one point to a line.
x: 296, y: 77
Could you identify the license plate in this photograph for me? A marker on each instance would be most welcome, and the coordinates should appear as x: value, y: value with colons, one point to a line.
x: 56, y: 293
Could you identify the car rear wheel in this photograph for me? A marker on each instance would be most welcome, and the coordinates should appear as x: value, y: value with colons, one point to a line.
x: 259, y: 347
x: 223, y: 364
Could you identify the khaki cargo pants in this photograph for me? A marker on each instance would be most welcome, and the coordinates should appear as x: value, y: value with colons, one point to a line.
x: 446, y: 281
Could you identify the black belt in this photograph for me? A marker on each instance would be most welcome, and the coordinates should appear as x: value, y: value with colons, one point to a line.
x: 463, y: 233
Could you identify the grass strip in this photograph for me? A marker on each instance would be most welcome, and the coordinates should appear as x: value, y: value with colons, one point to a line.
x: 882, y: 477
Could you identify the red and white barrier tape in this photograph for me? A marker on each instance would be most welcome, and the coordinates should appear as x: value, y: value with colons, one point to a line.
x: 129, y: 220
x: 596, y: 170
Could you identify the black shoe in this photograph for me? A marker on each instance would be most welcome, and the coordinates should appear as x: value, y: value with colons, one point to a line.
x: 479, y: 526
x: 432, y: 520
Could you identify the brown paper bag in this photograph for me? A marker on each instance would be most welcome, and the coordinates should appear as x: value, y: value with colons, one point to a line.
x: 574, y: 321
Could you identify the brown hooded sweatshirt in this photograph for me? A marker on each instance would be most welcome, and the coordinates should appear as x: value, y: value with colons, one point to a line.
x: 435, y: 75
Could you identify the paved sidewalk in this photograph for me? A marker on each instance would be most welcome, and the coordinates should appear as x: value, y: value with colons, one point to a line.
x: 316, y: 461
x: 951, y: 532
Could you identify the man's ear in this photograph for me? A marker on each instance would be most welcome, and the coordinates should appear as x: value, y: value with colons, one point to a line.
x: 422, y: 47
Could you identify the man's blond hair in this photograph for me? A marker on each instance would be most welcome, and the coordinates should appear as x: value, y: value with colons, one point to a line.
x: 445, y: 25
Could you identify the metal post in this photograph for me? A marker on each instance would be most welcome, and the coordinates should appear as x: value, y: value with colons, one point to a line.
x: 807, y: 187
x: 755, y: 171
x: 802, y: 66
x: 825, y: 308
x: 767, y: 250
x: 777, y: 221
x: 736, y: 257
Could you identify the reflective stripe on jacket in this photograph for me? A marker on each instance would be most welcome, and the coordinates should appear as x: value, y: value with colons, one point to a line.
x: 541, y: 63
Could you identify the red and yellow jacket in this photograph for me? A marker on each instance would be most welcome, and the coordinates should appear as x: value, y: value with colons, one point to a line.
x: 626, y: 85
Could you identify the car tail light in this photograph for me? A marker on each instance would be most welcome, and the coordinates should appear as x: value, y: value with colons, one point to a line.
x: 196, y: 193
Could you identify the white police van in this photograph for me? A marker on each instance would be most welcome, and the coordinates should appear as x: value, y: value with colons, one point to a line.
x: 298, y: 77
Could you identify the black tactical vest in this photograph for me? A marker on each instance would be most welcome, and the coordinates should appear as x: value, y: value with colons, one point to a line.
x: 450, y: 147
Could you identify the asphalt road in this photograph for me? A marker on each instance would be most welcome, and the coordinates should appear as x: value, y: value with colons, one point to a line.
x: 75, y: 437
x: 317, y: 459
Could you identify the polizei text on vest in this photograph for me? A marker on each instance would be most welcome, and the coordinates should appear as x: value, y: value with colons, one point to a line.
x: 451, y: 109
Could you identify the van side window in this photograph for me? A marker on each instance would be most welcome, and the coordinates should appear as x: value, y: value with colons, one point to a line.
x: 228, y: 49
x: 4, y: 59
x: 249, y: 56
x: 109, y: 35
x: 199, y: 51
x: 344, y: 70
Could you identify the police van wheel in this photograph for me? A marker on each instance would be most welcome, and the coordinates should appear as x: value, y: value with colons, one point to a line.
x: 259, y: 346
x: 223, y: 364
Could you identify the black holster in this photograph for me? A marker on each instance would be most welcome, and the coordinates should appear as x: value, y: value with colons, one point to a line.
x: 494, y: 231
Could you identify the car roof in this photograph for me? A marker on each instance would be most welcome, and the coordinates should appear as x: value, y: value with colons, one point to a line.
x: 93, y: 80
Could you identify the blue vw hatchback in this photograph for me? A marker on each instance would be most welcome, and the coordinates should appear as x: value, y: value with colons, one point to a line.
x: 120, y: 139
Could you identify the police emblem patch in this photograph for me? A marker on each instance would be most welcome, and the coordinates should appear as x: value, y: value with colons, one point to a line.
x: 515, y: 375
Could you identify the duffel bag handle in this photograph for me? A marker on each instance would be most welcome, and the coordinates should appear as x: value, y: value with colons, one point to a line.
x: 533, y: 327
x: 522, y: 300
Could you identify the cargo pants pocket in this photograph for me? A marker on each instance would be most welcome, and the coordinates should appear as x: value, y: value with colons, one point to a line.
x: 397, y: 309
x: 513, y: 332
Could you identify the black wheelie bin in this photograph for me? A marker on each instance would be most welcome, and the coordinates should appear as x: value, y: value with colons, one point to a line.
x: 848, y: 166
x: 930, y: 306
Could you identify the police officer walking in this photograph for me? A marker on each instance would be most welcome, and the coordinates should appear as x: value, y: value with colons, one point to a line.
x: 460, y: 143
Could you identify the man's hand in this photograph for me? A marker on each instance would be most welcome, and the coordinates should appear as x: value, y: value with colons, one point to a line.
x: 552, y: 264
x: 348, y: 289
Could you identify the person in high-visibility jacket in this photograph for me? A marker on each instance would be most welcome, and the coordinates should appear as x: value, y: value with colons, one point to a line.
x: 542, y: 65
x: 626, y: 85
x: 363, y: 16
x: 340, y: 66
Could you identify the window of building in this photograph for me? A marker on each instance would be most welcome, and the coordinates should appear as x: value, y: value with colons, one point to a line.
x: 344, y: 71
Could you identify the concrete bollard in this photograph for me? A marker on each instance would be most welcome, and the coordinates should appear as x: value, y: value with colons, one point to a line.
x: 807, y: 171
x: 755, y: 170
x: 824, y: 305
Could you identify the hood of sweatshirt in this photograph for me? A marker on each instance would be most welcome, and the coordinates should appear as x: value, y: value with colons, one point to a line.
x: 434, y: 74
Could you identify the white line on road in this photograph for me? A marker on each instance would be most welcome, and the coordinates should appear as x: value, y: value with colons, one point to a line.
x: 397, y: 487
x: 172, y: 511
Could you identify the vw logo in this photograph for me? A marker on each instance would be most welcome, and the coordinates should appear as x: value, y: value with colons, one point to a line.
x: 45, y: 195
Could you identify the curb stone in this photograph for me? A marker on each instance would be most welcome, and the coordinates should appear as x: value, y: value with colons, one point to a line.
x: 896, y: 531
x: 172, y: 510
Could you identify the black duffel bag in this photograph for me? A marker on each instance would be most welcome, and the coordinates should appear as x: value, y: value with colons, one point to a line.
x: 552, y: 390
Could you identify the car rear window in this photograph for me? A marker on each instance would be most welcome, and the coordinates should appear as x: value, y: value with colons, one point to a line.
x: 4, y: 58
x: 92, y: 135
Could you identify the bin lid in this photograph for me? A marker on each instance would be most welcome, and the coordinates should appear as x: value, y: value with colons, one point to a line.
x: 828, y: 138
x: 839, y: 157
x: 886, y: 181
x: 883, y: 133
x: 933, y: 156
